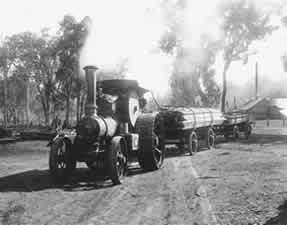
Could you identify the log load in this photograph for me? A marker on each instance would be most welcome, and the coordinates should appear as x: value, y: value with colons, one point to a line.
x: 236, y: 118
x: 180, y: 118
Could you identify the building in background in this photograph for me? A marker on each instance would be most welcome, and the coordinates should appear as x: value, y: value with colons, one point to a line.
x: 266, y: 108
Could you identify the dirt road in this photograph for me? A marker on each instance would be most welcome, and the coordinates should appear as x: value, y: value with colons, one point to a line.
x: 171, y: 195
x: 246, y: 181
x: 236, y: 183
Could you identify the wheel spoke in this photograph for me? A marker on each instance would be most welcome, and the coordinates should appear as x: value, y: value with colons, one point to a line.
x: 121, y: 160
x: 157, y: 153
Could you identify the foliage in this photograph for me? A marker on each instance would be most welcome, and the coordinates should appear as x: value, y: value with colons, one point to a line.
x: 35, y: 63
x: 242, y: 24
x: 72, y: 36
x: 29, y: 63
x: 192, y: 81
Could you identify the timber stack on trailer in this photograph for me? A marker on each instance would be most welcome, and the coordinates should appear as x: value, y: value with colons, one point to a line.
x: 235, y: 123
x: 187, y: 126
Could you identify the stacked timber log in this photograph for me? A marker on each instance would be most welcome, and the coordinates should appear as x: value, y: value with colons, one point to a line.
x: 191, y: 118
x: 236, y: 117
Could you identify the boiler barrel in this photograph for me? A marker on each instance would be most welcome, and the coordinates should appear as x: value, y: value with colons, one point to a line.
x: 93, y: 127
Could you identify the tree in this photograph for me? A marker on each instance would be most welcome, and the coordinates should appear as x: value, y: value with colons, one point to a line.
x: 23, y: 46
x: 72, y: 36
x: 45, y: 66
x: 192, y: 81
x: 242, y: 24
x: 35, y: 63
x: 4, y: 65
x: 7, y: 58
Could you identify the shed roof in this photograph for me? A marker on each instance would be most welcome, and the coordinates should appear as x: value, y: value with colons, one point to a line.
x: 251, y: 104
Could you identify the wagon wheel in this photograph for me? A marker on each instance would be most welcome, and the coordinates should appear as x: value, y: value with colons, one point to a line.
x: 61, y: 162
x: 151, y: 142
x: 235, y: 133
x: 247, y: 131
x: 210, y: 138
x: 117, y: 160
x: 192, y: 143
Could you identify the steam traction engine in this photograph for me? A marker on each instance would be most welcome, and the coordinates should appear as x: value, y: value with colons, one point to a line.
x: 112, y: 133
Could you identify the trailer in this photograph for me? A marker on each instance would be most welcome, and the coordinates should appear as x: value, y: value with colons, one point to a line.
x: 190, y: 128
x: 236, y: 123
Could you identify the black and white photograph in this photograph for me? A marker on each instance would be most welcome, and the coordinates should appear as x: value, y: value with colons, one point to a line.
x: 154, y: 112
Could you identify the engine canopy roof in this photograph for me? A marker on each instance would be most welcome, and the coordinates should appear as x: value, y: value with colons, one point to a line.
x: 120, y: 86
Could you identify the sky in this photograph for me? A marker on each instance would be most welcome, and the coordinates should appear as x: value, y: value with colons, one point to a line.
x: 130, y: 30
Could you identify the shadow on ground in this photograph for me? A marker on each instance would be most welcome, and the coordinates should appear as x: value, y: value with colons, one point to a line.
x: 281, y: 218
x: 37, y: 180
x: 262, y: 139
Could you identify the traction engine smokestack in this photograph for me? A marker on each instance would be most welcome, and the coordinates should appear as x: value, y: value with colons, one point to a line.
x: 91, y: 106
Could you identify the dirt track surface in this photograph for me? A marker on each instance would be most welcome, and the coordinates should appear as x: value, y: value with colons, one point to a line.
x: 171, y: 195
x: 236, y: 183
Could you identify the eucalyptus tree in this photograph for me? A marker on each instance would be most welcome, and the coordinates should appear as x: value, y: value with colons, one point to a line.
x: 243, y: 24
x: 71, y: 39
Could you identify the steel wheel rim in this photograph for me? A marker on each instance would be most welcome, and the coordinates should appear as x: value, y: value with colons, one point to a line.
x: 120, y: 163
x: 157, y: 152
x: 211, y: 140
x: 194, y: 145
x: 235, y: 133
x: 247, y: 132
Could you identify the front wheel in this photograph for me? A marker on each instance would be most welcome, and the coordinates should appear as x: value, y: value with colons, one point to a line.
x: 61, y: 162
x: 117, y: 160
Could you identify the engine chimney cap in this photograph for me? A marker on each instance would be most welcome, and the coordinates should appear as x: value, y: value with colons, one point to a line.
x: 90, y: 67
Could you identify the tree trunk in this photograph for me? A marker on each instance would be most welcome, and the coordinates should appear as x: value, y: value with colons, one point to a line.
x: 27, y: 105
x: 46, y: 105
x: 78, y: 108
x: 46, y: 114
x: 47, y: 111
x: 82, y: 105
x: 67, y: 117
x: 5, y: 116
x: 224, y: 86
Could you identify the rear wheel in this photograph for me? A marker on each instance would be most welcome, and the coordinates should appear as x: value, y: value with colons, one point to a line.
x: 235, y: 133
x: 210, y: 138
x: 117, y: 160
x: 192, y: 143
x: 151, y: 142
x: 61, y: 162
x: 247, y: 131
